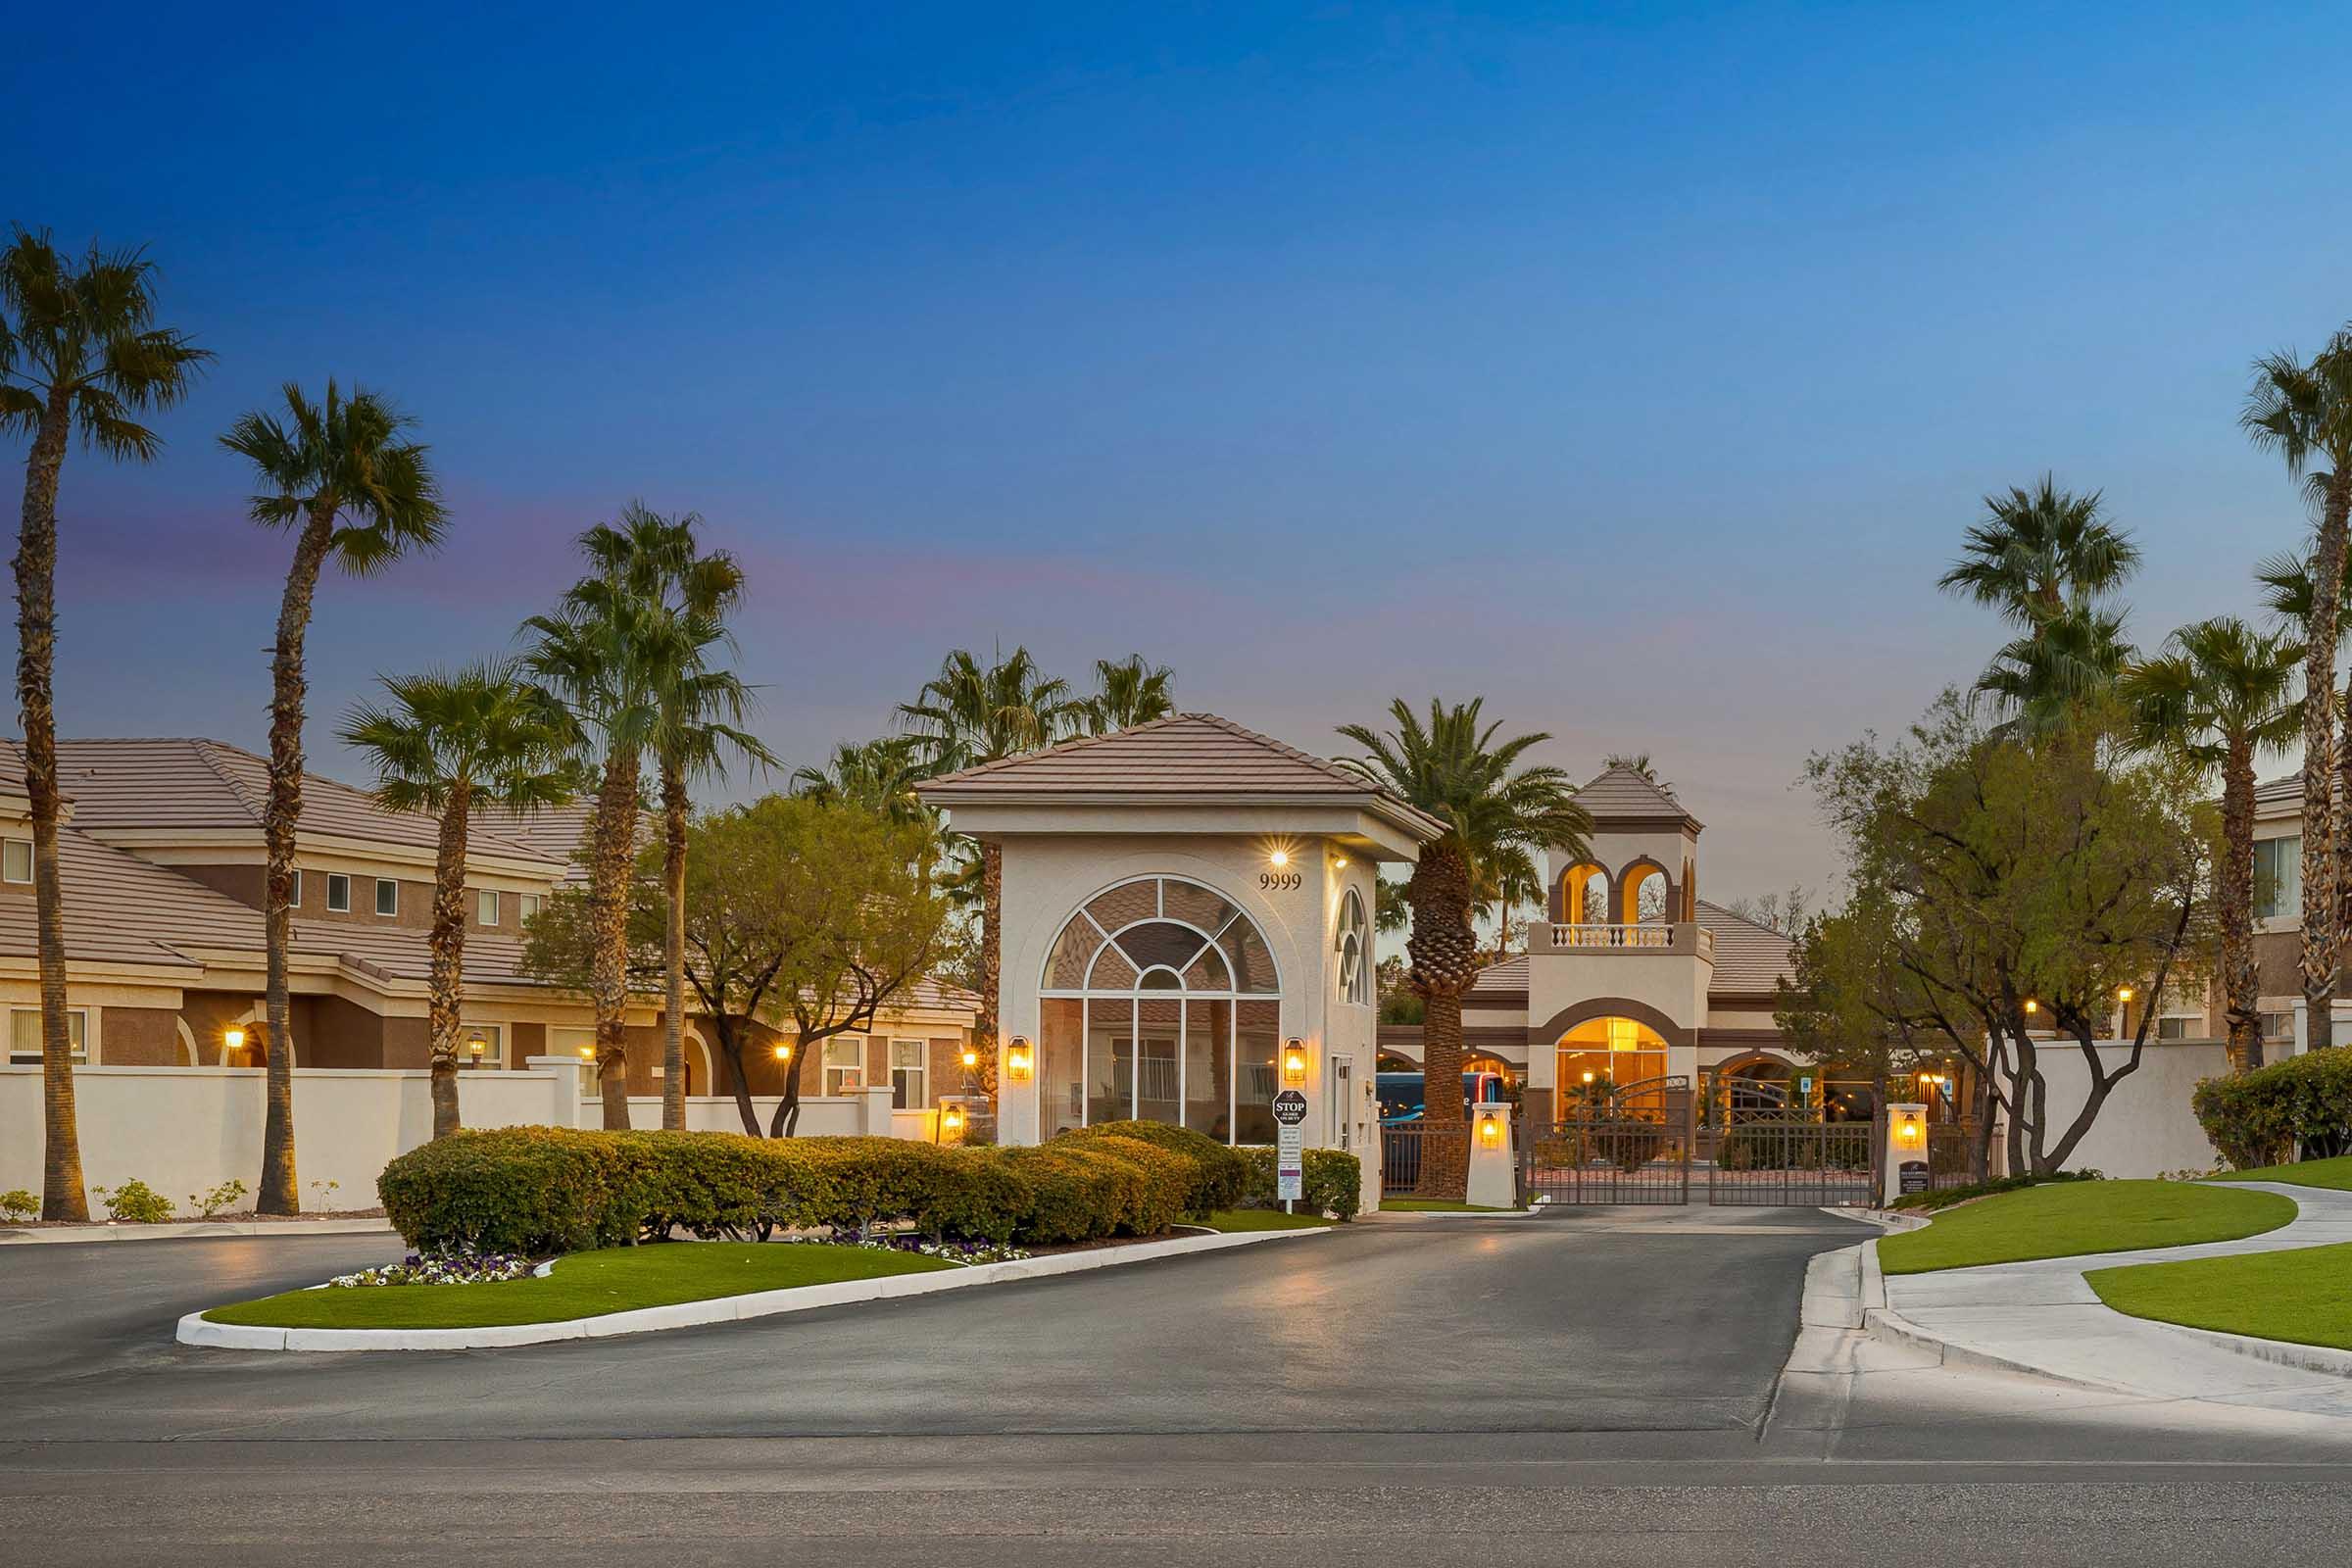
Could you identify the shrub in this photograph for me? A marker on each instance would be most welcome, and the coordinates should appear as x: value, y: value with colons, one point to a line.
x: 2300, y: 1106
x: 1946, y: 1197
x: 219, y: 1198
x: 544, y: 1190
x: 135, y: 1202
x: 1221, y: 1173
x: 1330, y: 1181
x: 16, y: 1203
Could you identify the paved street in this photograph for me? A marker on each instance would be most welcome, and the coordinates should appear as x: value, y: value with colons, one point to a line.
x: 1601, y: 1387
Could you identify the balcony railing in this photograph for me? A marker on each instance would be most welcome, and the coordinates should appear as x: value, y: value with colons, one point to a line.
x: 1683, y: 936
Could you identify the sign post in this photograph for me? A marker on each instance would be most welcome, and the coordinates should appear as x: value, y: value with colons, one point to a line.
x: 1290, y: 1146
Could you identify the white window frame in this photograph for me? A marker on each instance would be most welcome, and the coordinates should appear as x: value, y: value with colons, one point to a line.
x: 2289, y: 904
x: 558, y: 1046
x: 382, y: 883
x: 1355, y: 983
x: 480, y: 893
x: 333, y: 878
x: 833, y: 1081
x: 8, y: 856
x: 527, y: 908
x: 74, y: 1015
x: 921, y: 1071
x: 495, y: 1057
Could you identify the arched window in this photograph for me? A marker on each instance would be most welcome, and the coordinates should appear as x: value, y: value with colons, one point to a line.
x: 1355, y: 950
x: 1159, y: 1000
x: 1585, y: 896
x: 1602, y: 1059
x: 1644, y: 895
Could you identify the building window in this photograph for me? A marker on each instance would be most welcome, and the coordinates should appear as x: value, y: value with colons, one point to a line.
x: 2277, y: 1026
x: 1163, y: 1006
x: 339, y: 893
x: 2278, y: 878
x: 845, y: 1064
x: 908, y: 1059
x: 293, y: 887
x: 485, y: 905
x: 527, y: 908
x: 1612, y: 1062
x: 571, y: 1042
x: 387, y: 896
x: 15, y: 861
x: 24, y: 1035
x: 494, y: 1045
x: 1355, y: 968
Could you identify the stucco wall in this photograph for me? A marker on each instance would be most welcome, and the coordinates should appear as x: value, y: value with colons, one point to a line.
x: 2146, y: 1127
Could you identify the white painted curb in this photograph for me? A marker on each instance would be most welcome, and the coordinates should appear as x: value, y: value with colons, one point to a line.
x: 1452, y: 1214
x: 187, y: 1230
x: 195, y: 1330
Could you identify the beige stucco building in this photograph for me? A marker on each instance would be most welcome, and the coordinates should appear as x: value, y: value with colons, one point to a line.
x: 1186, y: 906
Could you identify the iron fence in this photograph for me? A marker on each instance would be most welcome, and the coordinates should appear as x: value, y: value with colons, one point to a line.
x: 1404, y: 1153
x: 1792, y: 1162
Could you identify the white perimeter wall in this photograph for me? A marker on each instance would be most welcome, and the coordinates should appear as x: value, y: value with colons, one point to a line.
x: 2146, y: 1126
x: 187, y: 1130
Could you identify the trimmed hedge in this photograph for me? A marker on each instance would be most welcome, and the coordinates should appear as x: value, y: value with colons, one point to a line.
x: 1332, y: 1180
x: 1222, y: 1174
x: 544, y: 1190
x: 2302, y: 1106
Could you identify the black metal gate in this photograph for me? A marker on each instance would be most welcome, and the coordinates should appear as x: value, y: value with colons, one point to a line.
x: 1403, y: 1154
x: 1631, y: 1145
x: 1787, y: 1161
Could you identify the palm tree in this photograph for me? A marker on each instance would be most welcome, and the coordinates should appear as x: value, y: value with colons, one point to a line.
x: 2286, y: 592
x: 967, y: 715
x: 878, y: 775
x: 601, y: 651
x: 2220, y: 695
x: 700, y: 711
x: 1128, y: 692
x: 2042, y: 678
x: 78, y: 351
x: 445, y: 744
x: 356, y: 491
x: 2038, y: 553
x: 2304, y: 413
x: 1461, y: 775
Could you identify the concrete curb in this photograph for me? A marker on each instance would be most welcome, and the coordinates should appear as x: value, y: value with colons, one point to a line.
x: 192, y: 1230
x: 2279, y: 1352
x: 195, y: 1330
x: 1889, y: 1326
x: 1452, y: 1213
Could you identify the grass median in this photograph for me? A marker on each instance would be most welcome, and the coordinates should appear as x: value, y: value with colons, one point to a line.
x: 2303, y: 1294
x: 2071, y: 1219
x: 1263, y: 1219
x: 582, y: 1285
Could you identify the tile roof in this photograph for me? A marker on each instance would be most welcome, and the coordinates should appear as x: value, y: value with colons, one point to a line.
x: 2287, y: 791
x: 1186, y: 754
x: 206, y: 786
x: 1749, y: 958
x: 555, y: 834
x: 1620, y: 792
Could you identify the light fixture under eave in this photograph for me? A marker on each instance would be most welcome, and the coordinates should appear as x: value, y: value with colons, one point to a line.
x: 1278, y: 857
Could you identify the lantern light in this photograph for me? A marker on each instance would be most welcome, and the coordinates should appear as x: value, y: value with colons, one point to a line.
x: 2122, y: 993
x: 971, y: 1057
x: 951, y: 1119
x: 1017, y: 1058
x: 1489, y: 1128
x: 783, y: 1050
x: 1293, y: 1061
x: 587, y: 1052
x: 233, y: 1037
x: 2031, y: 1006
x: 476, y: 1045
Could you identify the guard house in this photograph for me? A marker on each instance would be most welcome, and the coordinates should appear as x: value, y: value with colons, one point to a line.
x: 1182, y: 901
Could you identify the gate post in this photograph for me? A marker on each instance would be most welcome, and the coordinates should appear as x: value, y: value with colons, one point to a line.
x: 1493, y: 1171
x: 1905, y: 1155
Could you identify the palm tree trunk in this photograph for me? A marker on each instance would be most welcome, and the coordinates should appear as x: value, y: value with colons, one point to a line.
x: 279, y: 1194
x: 1444, y: 951
x: 992, y: 963
x: 2322, y: 956
x: 673, y: 947
x: 448, y: 942
x: 2240, y: 987
x: 609, y: 929
x: 62, y: 1194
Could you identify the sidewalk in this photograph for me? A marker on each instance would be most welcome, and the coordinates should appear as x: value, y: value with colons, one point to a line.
x: 2042, y: 1317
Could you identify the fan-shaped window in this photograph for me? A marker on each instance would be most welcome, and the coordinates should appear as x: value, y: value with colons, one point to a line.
x: 1356, y: 956
x: 1160, y: 1001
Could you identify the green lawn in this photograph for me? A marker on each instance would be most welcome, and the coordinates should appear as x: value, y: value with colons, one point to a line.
x: 583, y: 1285
x: 1263, y: 1219
x: 2068, y: 1219
x: 1438, y: 1205
x: 2304, y: 1294
x: 2337, y: 1173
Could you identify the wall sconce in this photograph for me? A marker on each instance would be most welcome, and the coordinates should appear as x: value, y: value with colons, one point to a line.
x: 1906, y: 1131
x: 1279, y: 859
x: 1490, y: 1129
x: 587, y: 1052
x: 1294, y: 1062
x: 233, y: 1038
x: 951, y: 1121
x: 1017, y: 1059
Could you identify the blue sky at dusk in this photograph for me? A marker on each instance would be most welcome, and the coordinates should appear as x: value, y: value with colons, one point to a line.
x: 1635, y: 367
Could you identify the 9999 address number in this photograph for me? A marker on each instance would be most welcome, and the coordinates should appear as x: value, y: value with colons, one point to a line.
x: 1280, y: 881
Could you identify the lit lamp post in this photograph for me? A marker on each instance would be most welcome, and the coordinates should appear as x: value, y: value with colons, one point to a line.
x: 476, y: 1047
x: 951, y: 1123
x: 232, y: 1042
